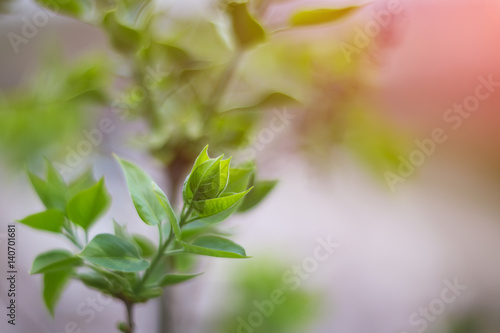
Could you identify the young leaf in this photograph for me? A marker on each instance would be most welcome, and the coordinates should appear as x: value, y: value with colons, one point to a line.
x: 239, y: 179
x: 260, y: 191
x: 169, y: 212
x: 81, y: 183
x: 49, y: 220
x: 53, y: 192
x: 247, y: 30
x: 88, y: 205
x: 53, y: 285
x: 218, y: 209
x: 215, y: 246
x: 148, y: 293
x: 170, y: 279
x: 224, y: 175
x: 55, y: 260
x: 96, y: 281
x: 320, y: 16
x: 204, y: 182
x: 106, y: 281
x: 202, y: 157
x: 114, y: 253
x: 56, y: 187
x: 121, y: 231
x: 146, y: 247
x: 143, y: 195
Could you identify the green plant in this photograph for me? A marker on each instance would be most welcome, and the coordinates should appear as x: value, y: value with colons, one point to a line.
x: 131, y: 268
x: 215, y: 76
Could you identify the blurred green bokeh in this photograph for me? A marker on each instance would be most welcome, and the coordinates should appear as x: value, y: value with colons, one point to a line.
x: 45, y: 115
x: 255, y: 281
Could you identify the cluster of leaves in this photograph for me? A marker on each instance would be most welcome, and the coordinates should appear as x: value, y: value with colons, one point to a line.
x: 131, y: 267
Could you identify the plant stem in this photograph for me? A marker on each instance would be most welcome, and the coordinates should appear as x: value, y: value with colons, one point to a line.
x: 130, y: 316
x: 185, y: 216
x: 73, y: 240
x: 160, y: 234
x: 160, y: 253
x: 153, y: 264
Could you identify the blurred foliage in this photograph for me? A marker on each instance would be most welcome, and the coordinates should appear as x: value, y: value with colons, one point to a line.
x: 338, y: 112
x: 4, y: 6
x: 320, y: 16
x: 255, y: 282
x: 213, y: 77
x: 471, y: 323
x: 36, y: 121
x: 376, y: 143
x: 197, y: 79
x: 467, y: 325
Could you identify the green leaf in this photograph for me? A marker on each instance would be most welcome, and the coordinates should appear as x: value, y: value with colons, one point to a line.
x: 49, y: 220
x: 247, y: 30
x: 215, y: 246
x: 70, y: 7
x: 320, y: 16
x: 88, y: 205
x: 260, y: 191
x: 170, y: 279
x: 53, y: 285
x: 55, y: 260
x: 146, y: 247
x: 96, y: 281
x: 148, y: 293
x: 239, y: 179
x: 196, y: 228
x: 53, y: 191
x: 224, y: 175
x: 159, y: 271
x: 204, y: 182
x: 202, y: 157
x: 81, y: 183
x: 169, y: 212
x: 141, y: 188
x: 218, y: 209
x: 121, y: 231
x: 106, y: 281
x: 114, y: 253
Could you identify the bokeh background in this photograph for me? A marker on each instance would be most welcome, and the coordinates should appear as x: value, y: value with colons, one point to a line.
x: 359, y: 115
